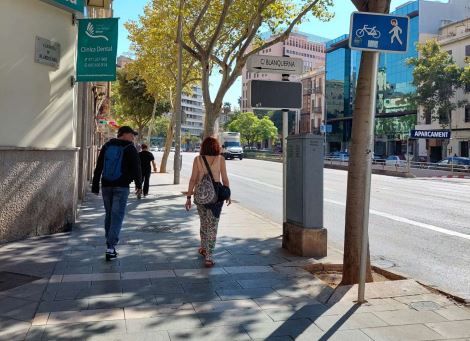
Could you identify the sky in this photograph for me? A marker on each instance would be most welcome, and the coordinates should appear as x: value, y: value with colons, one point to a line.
x: 131, y: 9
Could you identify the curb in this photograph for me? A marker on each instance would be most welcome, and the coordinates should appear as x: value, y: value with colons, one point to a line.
x: 451, y: 177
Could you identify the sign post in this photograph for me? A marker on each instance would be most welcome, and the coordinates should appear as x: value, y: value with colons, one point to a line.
x: 97, y: 49
x: 374, y: 32
x: 273, y: 64
x: 283, y: 95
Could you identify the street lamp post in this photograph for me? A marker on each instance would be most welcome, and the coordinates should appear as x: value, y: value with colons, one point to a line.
x: 179, y: 89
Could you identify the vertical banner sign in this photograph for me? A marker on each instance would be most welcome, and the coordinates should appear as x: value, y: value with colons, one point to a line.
x: 97, y: 49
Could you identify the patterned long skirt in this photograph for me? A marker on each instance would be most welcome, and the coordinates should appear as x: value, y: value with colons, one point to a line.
x: 208, y: 230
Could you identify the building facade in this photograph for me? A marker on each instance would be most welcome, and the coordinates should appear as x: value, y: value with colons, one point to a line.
x: 47, y: 130
x: 310, y: 48
x: 192, y: 106
x: 312, y: 113
x: 395, y: 116
x: 454, y: 38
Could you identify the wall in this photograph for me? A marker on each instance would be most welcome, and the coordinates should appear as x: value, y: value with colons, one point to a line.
x: 37, y: 194
x: 36, y: 100
x: 38, y: 154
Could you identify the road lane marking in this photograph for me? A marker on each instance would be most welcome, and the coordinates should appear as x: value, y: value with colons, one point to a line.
x: 255, y: 181
x: 409, y: 221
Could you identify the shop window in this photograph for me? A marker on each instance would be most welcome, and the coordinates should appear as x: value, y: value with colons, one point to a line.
x: 467, y: 113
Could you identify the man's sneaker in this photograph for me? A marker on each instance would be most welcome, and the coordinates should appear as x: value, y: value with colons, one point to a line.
x: 111, y: 254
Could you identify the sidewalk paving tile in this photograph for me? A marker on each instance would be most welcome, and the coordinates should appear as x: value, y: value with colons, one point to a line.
x: 289, y: 313
x: 248, y: 269
x: 84, y: 331
x: 11, y: 329
x: 404, y: 317
x: 142, y: 336
x: 234, y: 317
x: 283, y: 302
x: 243, y: 294
x: 85, y: 316
x: 342, y: 335
x: 18, y: 309
x: 164, y: 323
x: 200, y: 273
x: 431, y: 297
x: 212, y: 307
x: 210, y: 333
x: 453, y: 329
x: 455, y: 313
x: 409, y: 332
x: 147, y: 311
x: 278, y: 329
x: 67, y: 305
x: 354, y: 321
x: 35, y: 333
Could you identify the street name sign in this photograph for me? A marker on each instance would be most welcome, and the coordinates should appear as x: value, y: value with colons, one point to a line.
x: 264, y: 94
x: 273, y: 64
x: 379, y: 32
x: 97, y: 48
x: 430, y: 134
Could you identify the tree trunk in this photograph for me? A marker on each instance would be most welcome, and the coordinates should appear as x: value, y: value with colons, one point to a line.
x: 357, y: 175
x: 168, y: 143
x: 359, y: 157
x: 212, y: 113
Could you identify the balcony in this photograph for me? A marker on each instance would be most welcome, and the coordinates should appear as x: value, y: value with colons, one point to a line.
x: 308, y: 91
x: 317, y: 110
x: 318, y: 90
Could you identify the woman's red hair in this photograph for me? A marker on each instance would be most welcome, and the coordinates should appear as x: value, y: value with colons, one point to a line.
x: 210, y: 147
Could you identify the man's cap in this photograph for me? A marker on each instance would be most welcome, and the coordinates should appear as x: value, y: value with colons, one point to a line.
x: 125, y: 130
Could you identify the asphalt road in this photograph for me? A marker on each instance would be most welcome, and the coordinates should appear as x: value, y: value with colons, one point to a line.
x: 420, y: 227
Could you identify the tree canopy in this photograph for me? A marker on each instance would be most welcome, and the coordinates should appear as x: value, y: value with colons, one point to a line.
x: 222, y: 35
x: 252, y: 129
x: 133, y: 104
x: 436, y: 77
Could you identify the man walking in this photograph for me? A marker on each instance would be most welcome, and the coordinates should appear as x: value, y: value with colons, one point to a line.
x: 117, y: 166
x: 146, y: 161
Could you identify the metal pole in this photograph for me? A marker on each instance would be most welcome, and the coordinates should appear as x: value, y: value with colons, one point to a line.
x: 408, y: 153
x: 365, y: 214
x: 285, y: 133
x: 179, y: 88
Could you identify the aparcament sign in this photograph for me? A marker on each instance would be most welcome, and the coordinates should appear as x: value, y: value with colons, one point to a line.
x: 97, y: 49
x: 68, y: 5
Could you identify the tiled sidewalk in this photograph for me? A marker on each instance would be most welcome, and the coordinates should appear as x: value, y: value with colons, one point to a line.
x: 158, y: 288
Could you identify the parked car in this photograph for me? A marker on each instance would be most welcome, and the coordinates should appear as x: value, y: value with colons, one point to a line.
x: 172, y: 149
x: 395, y: 160
x: 453, y: 162
x: 197, y: 149
x: 378, y: 159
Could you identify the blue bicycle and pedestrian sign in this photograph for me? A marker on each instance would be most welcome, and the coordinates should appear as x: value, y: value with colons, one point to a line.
x: 379, y: 32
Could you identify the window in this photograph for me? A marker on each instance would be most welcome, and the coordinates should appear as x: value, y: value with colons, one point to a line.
x: 427, y: 117
x: 467, y: 113
x: 443, y: 118
x: 467, y: 51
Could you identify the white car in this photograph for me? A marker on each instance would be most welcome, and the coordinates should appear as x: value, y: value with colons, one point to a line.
x: 395, y: 160
x: 172, y: 149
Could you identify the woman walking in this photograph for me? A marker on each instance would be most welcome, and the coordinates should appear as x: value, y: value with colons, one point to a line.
x: 209, y: 214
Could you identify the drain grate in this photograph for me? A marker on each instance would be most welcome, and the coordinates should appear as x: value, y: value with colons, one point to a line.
x: 158, y: 228
x: 10, y: 280
x: 425, y: 305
